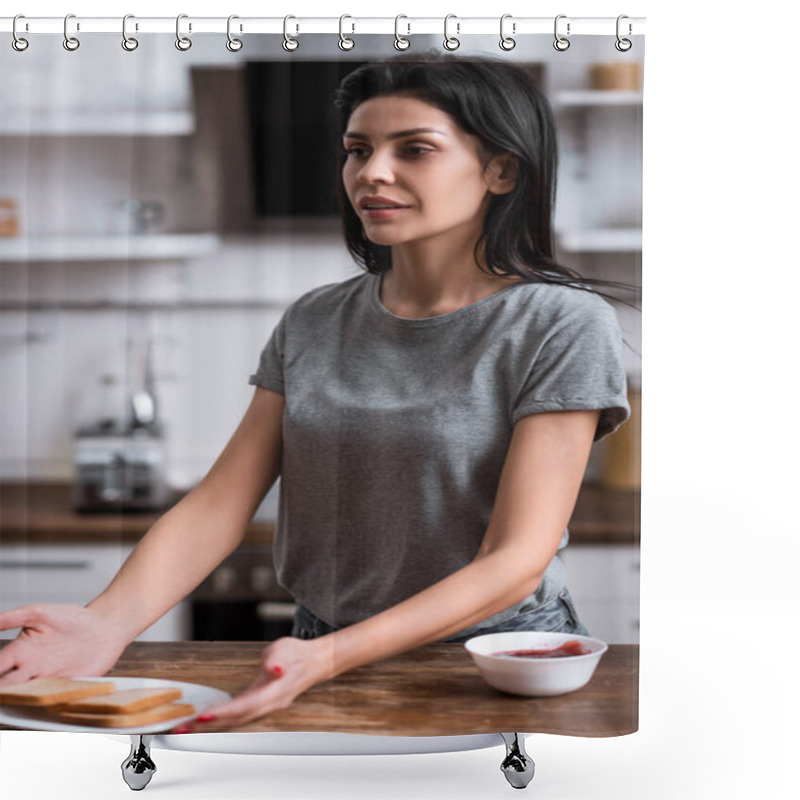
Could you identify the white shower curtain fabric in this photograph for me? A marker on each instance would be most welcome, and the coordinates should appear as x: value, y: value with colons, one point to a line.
x: 161, y: 211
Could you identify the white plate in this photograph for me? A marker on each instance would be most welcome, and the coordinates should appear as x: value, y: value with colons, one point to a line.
x: 201, y: 697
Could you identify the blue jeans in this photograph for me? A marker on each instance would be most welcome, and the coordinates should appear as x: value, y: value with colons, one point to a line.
x: 556, y: 616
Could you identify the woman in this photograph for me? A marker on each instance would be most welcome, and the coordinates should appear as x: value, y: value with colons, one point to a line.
x: 430, y: 419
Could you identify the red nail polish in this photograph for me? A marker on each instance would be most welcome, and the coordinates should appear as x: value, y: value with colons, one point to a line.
x: 206, y: 718
x: 277, y: 672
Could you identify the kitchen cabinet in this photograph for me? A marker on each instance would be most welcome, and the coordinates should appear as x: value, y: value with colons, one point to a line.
x: 604, y: 583
x: 73, y: 573
x: 70, y: 133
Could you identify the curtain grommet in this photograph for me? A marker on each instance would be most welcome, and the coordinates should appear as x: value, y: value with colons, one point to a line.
x: 451, y: 42
x: 561, y: 43
x: 233, y: 44
x: 70, y: 43
x: 399, y: 42
x: 344, y: 42
x: 183, y: 43
x: 507, y: 42
x: 129, y: 43
x: 290, y: 44
x: 17, y: 42
x: 623, y: 45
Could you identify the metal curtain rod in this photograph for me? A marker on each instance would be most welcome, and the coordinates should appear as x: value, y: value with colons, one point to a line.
x: 461, y: 26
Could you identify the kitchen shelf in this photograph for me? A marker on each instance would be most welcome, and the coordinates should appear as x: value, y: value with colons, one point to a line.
x: 596, y: 97
x: 127, y: 122
x: 601, y: 240
x: 174, y: 246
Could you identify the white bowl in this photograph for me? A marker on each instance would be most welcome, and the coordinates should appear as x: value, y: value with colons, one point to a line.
x: 534, y: 677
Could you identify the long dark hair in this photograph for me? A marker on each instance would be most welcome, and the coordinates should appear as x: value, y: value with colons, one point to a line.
x: 498, y: 102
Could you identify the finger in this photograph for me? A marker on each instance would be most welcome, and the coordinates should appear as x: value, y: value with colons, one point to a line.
x: 15, y: 676
x: 16, y: 618
x: 250, y: 705
x: 237, y: 712
x: 9, y: 657
x: 266, y: 675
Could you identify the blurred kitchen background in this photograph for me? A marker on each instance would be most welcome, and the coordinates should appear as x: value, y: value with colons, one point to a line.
x: 158, y: 211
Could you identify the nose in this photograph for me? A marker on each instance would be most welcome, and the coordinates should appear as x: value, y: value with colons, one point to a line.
x: 377, y: 168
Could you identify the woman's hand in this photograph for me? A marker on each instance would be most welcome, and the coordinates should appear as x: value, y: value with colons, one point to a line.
x: 58, y: 640
x: 288, y: 668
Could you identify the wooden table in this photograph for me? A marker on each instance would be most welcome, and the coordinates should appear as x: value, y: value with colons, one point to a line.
x: 432, y: 691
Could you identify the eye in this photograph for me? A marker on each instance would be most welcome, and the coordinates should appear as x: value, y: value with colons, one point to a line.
x: 354, y: 151
x: 417, y: 149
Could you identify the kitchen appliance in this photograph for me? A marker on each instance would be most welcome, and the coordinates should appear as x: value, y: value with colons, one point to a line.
x: 120, y: 465
x: 119, y: 470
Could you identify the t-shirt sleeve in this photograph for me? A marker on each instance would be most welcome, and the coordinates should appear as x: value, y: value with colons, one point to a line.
x: 579, y: 367
x: 269, y: 374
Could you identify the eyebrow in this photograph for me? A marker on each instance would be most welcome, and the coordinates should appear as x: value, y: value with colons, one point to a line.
x: 397, y: 135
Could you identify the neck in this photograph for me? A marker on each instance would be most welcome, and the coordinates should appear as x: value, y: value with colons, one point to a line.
x: 430, y: 278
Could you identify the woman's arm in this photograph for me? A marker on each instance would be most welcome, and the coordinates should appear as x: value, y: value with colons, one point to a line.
x: 538, y: 487
x: 175, y: 555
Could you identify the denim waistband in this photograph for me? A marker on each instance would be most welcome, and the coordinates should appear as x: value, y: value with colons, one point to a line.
x: 556, y: 616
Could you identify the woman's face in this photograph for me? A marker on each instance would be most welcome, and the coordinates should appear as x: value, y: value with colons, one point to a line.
x: 412, y: 173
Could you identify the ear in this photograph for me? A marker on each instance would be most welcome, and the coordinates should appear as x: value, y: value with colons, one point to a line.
x: 501, y: 173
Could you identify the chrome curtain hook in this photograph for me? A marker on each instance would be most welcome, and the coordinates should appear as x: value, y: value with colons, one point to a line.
x: 18, y: 43
x: 506, y: 42
x: 344, y: 42
x: 233, y: 44
x: 128, y: 42
x: 623, y: 45
x: 451, y: 42
x: 561, y: 43
x: 399, y: 42
x: 182, y: 42
x: 70, y: 42
x: 290, y: 44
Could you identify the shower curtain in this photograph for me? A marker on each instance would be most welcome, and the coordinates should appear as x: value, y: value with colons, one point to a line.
x: 162, y: 206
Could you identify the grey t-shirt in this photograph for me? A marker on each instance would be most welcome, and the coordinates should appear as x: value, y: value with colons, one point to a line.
x: 395, y: 431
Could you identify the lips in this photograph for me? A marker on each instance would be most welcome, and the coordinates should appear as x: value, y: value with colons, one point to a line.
x: 377, y: 202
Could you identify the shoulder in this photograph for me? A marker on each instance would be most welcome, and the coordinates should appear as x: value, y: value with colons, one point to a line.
x: 555, y: 305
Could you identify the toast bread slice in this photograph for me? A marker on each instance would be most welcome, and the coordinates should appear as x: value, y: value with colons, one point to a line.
x: 137, y: 718
x: 126, y: 701
x: 53, y: 691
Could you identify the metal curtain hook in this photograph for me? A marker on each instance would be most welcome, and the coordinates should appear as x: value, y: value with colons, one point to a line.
x: 344, y: 42
x: 182, y: 42
x: 450, y: 42
x: 128, y: 42
x: 233, y: 44
x: 623, y: 45
x: 290, y: 44
x: 561, y: 43
x: 506, y: 42
x: 399, y: 42
x: 18, y: 43
x: 70, y: 42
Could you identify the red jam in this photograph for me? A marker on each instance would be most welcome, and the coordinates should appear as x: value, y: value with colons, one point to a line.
x: 571, y: 648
